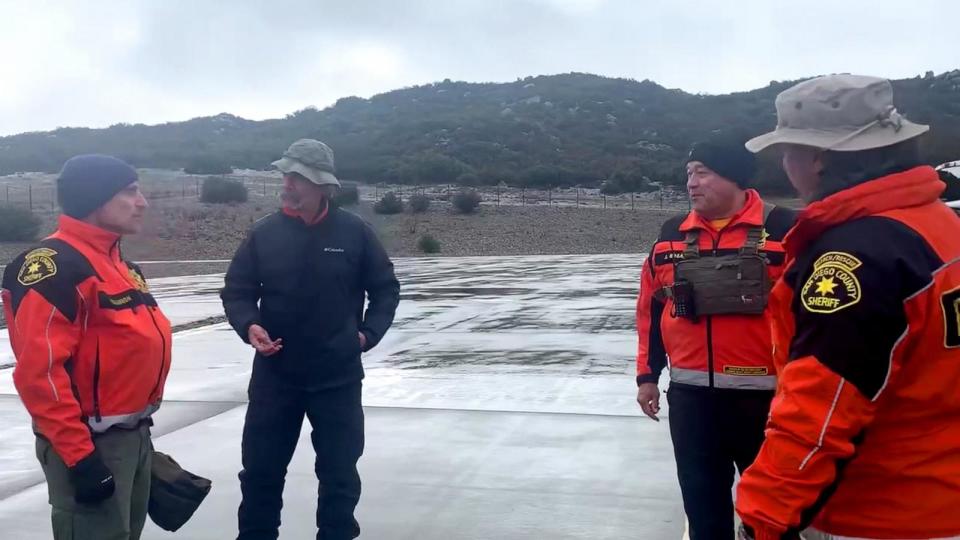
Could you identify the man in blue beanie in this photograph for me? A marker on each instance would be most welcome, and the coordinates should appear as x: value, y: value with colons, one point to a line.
x: 93, y: 353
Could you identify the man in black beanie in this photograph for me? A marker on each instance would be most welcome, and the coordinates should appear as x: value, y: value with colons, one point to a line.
x: 702, y: 304
x: 93, y: 352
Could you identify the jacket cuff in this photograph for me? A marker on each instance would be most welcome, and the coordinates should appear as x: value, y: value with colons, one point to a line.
x: 648, y: 378
x: 245, y: 332
x: 371, y: 340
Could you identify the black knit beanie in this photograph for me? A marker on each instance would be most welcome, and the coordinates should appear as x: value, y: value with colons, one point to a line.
x: 87, y: 182
x: 728, y: 158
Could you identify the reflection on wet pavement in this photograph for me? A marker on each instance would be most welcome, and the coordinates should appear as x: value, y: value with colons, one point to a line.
x: 520, y: 315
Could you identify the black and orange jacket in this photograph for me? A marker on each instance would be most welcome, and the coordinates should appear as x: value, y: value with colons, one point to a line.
x: 864, y: 431
x: 91, y: 345
x: 721, y: 351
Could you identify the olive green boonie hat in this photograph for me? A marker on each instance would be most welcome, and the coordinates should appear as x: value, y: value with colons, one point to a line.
x: 842, y: 113
x: 311, y: 159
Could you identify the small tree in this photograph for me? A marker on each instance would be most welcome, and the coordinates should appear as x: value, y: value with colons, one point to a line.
x: 347, y: 195
x: 419, y: 203
x: 428, y: 244
x: 611, y: 188
x: 467, y: 201
x: 388, y: 204
x: 18, y: 224
x: 222, y: 190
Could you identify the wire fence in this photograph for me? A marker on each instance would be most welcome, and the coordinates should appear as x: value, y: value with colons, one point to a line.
x: 43, y: 197
x: 555, y: 197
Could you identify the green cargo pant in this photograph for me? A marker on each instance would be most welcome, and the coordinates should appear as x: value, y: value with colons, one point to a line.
x: 127, y: 453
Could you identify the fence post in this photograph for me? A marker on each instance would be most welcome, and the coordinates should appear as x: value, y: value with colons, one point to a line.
x: 631, y: 201
x: 661, y: 198
x: 523, y: 196
x: 198, y: 188
x: 30, y: 195
x: 578, y: 196
x: 604, y: 202
x: 550, y: 196
x: 498, y: 196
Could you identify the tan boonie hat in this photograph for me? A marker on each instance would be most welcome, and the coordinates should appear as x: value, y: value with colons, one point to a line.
x: 842, y: 113
x: 312, y: 159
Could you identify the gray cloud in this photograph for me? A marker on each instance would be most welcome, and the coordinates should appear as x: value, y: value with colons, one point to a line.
x: 111, y: 61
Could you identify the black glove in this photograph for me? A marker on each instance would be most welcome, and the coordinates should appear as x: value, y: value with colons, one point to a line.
x: 92, y: 480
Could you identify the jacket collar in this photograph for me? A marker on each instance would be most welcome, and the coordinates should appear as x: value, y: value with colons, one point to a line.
x: 101, y: 240
x: 914, y: 187
x: 750, y: 214
x: 317, y: 219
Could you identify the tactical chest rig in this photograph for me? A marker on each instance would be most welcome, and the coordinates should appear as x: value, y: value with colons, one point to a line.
x: 721, y: 285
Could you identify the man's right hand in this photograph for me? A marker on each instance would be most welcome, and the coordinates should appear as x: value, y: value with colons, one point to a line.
x: 648, y: 396
x: 92, y: 480
x: 261, y: 341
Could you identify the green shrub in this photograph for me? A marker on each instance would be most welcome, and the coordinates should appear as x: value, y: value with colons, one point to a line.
x: 18, y: 224
x: 347, y: 195
x: 222, y: 190
x: 419, y: 203
x: 428, y: 244
x: 611, y: 188
x: 388, y: 204
x: 467, y: 201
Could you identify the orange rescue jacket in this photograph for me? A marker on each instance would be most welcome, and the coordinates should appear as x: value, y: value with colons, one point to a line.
x: 863, y: 439
x: 721, y: 351
x: 92, y: 347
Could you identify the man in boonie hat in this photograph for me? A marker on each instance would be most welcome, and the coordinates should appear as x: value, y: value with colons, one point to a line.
x: 862, y: 436
x: 295, y: 291
x: 310, y: 159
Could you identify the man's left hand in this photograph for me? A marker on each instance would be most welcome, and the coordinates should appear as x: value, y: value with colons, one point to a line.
x: 363, y: 340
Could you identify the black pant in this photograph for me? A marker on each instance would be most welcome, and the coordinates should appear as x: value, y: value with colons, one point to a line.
x: 713, y: 430
x: 270, y: 434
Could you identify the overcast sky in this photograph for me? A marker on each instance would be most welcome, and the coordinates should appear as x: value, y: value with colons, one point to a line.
x: 96, y: 63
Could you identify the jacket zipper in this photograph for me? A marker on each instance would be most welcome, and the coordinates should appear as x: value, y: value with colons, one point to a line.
x: 716, y: 243
x: 163, y: 357
x: 96, y: 385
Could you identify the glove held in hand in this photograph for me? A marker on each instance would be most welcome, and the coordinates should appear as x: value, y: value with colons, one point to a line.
x: 92, y: 480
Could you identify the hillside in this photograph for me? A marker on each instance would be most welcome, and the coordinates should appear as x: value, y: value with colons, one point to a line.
x: 561, y: 130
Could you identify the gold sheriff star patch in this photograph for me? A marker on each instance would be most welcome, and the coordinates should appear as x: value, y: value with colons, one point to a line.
x: 37, y: 266
x: 833, y: 285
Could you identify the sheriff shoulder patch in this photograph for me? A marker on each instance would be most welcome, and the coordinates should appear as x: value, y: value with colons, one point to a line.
x: 833, y: 285
x: 37, y: 266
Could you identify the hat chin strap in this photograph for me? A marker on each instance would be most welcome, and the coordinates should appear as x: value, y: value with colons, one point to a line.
x: 888, y: 118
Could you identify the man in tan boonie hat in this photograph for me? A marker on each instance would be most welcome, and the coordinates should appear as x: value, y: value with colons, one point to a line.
x: 311, y: 289
x: 865, y: 329
x: 841, y: 113
x: 311, y: 159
